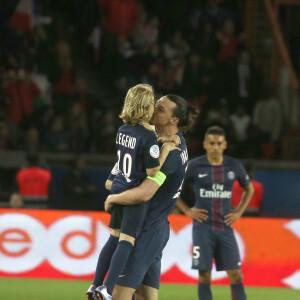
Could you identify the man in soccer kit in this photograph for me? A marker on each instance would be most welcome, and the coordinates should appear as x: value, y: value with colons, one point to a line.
x: 213, y: 176
x: 142, y: 271
x: 138, y: 156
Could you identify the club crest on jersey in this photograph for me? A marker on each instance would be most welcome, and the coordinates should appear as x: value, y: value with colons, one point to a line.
x: 231, y: 175
x: 154, y: 151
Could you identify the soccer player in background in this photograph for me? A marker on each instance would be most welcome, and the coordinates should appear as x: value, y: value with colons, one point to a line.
x: 138, y: 156
x: 142, y: 271
x: 213, y: 176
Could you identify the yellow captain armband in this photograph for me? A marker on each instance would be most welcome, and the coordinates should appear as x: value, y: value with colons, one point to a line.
x: 160, y: 178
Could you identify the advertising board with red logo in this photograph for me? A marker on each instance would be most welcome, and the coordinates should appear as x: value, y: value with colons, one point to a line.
x: 65, y: 244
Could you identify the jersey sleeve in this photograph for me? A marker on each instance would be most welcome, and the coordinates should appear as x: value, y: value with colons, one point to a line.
x: 151, y: 151
x: 242, y: 176
x: 191, y: 169
x: 172, y: 163
x: 113, y: 173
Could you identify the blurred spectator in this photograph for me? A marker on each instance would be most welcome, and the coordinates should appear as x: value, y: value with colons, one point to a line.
x: 76, y: 125
x: 214, y: 12
x: 240, y: 122
x: 34, y: 184
x: 79, y: 191
x: 267, y: 117
x: 175, y: 51
x: 16, y: 201
x: 57, y: 137
x: 210, y: 80
x: 254, y: 206
x: 107, y: 132
x: 206, y: 44
x: 243, y: 83
x: 15, y: 111
x: 6, y: 142
x: 27, y: 91
x: 121, y: 16
x: 31, y: 142
x: 228, y: 41
x: 95, y: 40
x: 20, y: 91
x: 191, y: 76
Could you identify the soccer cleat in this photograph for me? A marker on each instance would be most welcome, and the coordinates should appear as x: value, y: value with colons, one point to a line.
x: 91, y: 292
x: 102, y: 294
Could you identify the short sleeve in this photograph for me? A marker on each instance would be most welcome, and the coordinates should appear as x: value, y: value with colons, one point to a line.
x: 151, y: 151
x: 172, y: 163
x: 242, y: 175
x: 189, y: 175
x: 113, y: 173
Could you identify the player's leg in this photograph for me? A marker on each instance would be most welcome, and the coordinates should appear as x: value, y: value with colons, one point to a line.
x: 144, y: 265
x: 133, y: 217
x: 145, y: 292
x: 236, y: 284
x: 204, y: 290
x: 228, y: 259
x: 104, y: 259
x: 118, y: 261
x: 203, y: 251
x: 107, y: 251
x: 123, y: 292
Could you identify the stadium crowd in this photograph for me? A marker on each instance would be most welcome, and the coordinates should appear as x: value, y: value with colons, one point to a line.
x: 63, y: 80
x: 195, y: 49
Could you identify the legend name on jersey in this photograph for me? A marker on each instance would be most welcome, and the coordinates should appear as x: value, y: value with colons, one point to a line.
x: 126, y: 140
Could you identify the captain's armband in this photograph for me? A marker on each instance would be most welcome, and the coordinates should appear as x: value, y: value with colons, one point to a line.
x: 159, y: 178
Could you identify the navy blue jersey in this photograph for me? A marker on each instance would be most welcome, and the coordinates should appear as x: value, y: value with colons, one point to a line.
x: 166, y: 197
x: 213, y: 187
x: 137, y: 151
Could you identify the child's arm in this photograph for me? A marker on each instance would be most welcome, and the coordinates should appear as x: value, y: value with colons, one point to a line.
x: 164, y: 152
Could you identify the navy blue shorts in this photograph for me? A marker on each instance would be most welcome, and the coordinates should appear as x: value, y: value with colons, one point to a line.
x: 144, y: 263
x: 211, y: 244
x: 128, y: 218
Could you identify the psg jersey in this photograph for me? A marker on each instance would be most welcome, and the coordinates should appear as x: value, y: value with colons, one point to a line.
x: 137, y: 150
x: 213, y: 187
x: 164, y: 200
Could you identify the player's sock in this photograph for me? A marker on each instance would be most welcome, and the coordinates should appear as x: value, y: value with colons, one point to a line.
x: 118, y: 262
x: 238, y: 292
x: 104, y: 259
x: 204, y: 291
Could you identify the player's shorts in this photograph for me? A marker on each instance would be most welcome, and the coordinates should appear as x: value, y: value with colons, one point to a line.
x: 144, y: 263
x: 128, y: 218
x: 211, y: 244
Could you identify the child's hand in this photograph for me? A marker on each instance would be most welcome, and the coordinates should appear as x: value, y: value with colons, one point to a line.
x: 173, y: 138
x: 170, y: 146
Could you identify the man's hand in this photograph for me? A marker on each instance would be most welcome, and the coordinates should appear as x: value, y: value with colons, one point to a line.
x: 174, y: 138
x: 198, y: 214
x: 108, y: 205
x: 232, y: 217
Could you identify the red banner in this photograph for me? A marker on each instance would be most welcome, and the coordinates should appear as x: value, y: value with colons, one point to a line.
x: 65, y: 244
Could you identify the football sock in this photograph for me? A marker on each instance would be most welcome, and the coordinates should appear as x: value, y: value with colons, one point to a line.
x: 118, y: 262
x: 104, y: 259
x: 204, y: 292
x: 238, y: 292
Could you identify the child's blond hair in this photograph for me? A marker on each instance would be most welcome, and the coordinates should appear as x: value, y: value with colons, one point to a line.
x: 137, y: 103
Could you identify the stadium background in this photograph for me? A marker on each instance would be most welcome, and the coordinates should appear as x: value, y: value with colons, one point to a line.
x: 82, y: 66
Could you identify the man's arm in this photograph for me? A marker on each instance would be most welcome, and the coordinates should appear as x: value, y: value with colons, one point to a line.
x: 195, y: 213
x: 237, y: 213
x: 144, y: 192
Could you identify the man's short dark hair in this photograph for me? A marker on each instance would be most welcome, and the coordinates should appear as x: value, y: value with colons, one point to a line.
x: 215, y: 130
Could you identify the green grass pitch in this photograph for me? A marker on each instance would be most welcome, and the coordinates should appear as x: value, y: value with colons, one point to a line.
x: 36, y: 289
